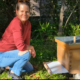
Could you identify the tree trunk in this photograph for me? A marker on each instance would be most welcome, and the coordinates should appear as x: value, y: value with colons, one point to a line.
x: 63, y: 7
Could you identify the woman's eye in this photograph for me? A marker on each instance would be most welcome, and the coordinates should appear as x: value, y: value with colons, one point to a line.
x: 27, y: 12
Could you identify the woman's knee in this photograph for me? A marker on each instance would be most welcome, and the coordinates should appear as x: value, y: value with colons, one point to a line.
x: 26, y: 56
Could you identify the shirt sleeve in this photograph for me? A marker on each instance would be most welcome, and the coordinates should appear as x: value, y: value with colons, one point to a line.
x: 29, y: 35
x: 17, y: 36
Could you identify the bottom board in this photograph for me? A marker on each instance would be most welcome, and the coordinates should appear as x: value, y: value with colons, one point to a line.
x: 55, y: 67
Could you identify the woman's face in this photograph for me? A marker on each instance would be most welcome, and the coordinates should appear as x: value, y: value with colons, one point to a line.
x: 23, y: 13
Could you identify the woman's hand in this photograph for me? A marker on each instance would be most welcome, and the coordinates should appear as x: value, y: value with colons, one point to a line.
x: 32, y: 50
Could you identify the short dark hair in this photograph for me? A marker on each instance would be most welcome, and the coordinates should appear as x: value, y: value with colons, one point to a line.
x: 21, y: 3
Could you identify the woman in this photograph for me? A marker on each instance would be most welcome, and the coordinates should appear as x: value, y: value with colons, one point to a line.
x: 15, y: 48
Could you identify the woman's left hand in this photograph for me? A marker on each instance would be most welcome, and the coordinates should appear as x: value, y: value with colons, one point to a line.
x: 33, y: 52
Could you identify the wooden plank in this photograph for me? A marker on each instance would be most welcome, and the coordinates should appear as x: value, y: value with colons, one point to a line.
x: 75, y: 46
x: 64, y: 45
x: 47, y: 68
x: 75, y: 65
x: 74, y: 71
x: 63, y: 56
x: 75, y: 54
x: 75, y: 61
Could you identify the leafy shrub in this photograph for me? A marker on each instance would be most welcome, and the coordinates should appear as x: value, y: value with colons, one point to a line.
x: 72, y: 30
x: 45, y: 51
x: 45, y: 31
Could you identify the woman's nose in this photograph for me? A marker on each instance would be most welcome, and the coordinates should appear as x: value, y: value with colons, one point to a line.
x: 24, y: 13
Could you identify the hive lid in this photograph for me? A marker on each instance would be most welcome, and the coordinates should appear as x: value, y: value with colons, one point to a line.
x: 55, y: 67
x: 69, y: 39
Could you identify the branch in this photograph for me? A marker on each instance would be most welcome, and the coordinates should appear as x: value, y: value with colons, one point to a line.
x: 70, y: 14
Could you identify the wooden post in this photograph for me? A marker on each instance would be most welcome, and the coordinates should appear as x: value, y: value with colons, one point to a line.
x: 74, y: 39
x: 76, y: 76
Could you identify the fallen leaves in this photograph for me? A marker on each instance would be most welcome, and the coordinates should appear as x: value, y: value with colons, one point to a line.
x: 34, y: 76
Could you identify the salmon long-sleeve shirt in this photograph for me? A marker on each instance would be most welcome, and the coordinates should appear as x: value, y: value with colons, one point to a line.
x: 16, y: 36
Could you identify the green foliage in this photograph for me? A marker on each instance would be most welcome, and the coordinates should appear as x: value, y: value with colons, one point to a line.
x: 6, y: 13
x: 72, y: 30
x: 45, y: 31
x: 49, y: 11
x: 45, y: 51
x: 3, y: 16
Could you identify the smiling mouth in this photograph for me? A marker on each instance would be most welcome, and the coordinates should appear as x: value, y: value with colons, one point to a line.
x: 23, y: 17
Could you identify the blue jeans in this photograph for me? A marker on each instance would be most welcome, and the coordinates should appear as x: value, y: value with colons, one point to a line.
x: 17, y: 63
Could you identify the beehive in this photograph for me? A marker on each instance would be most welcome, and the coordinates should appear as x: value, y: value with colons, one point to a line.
x: 68, y: 53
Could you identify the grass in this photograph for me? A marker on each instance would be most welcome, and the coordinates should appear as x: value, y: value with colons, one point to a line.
x: 45, y: 52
